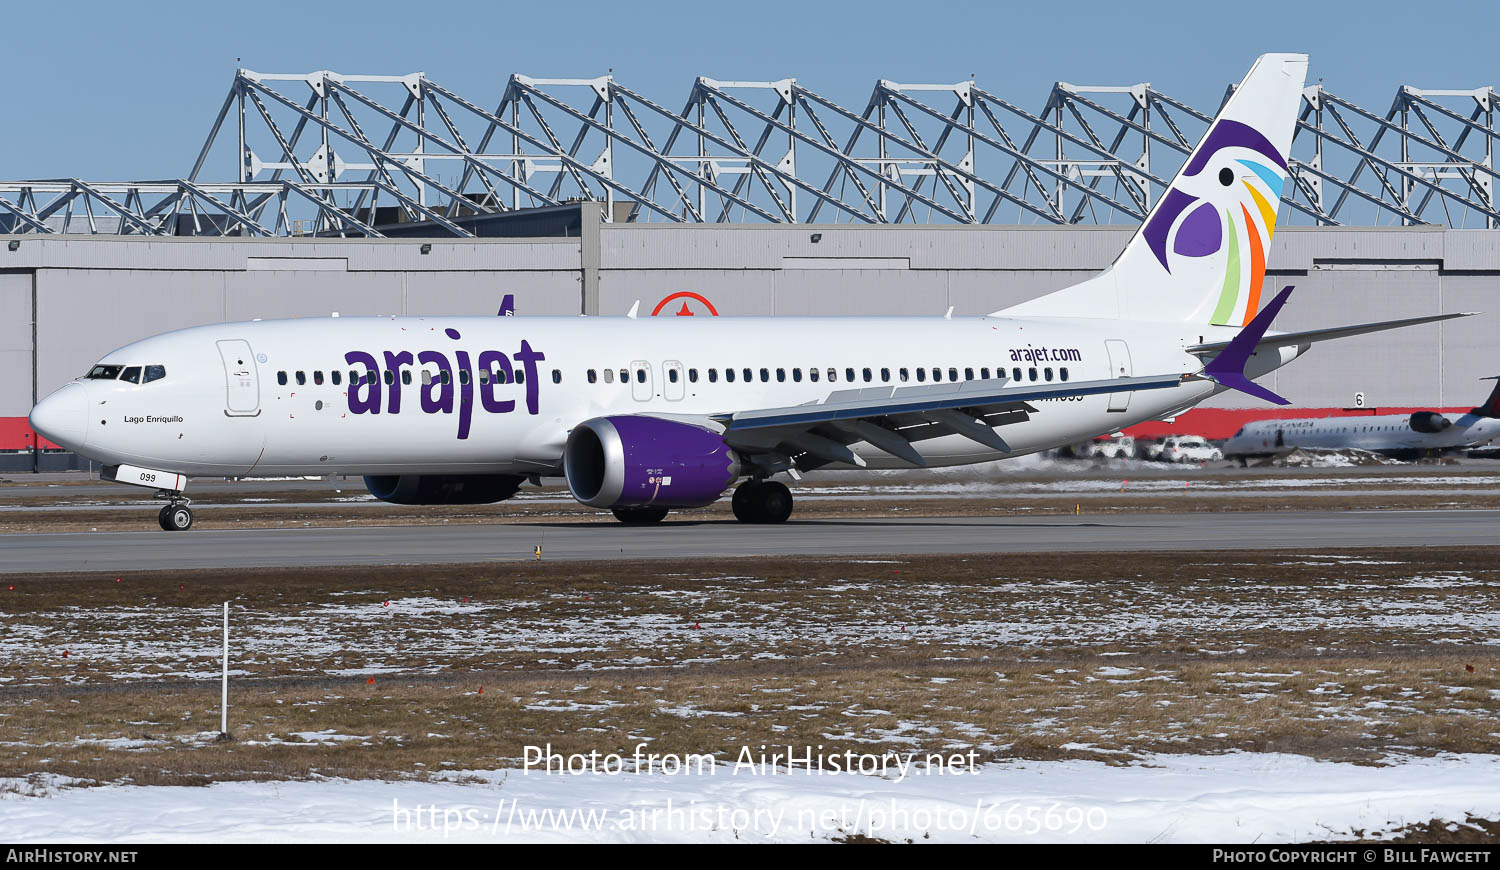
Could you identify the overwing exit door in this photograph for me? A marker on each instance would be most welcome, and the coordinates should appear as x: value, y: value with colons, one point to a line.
x: 641, y: 388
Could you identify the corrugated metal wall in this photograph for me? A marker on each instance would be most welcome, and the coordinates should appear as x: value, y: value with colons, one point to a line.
x: 15, y: 342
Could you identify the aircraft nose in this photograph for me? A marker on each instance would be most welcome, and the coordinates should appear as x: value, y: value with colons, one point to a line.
x: 63, y: 417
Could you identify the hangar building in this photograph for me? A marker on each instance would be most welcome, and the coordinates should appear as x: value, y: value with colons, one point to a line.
x: 757, y: 198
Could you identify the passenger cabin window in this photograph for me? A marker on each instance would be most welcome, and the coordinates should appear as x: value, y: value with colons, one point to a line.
x: 885, y: 376
x: 281, y: 378
x: 593, y: 376
x: 1015, y: 374
x: 749, y: 376
x: 335, y: 377
x: 922, y: 375
x: 104, y: 373
x: 867, y: 375
x: 1031, y: 373
x: 692, y: 376
x: 556, y: 376
x: 729, y: 376
x: 1062, y: 373
x: 609, y: 376
x: 904, y: 374
x: 301, y: 378
x: 672, y: 375
x: 406, y: 377
x: 952, y: 374
x: 849, y: 375
x: 713, y: 376
x: 765, y: 376
x: 797, y: 375
x: 781, y: 376
x: 318, y: 378
x: 968, y: 374
x: 154, y: 373
x: 812, y: 375
x: 640, y: 375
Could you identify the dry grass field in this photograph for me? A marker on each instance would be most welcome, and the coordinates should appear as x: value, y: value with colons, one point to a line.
x: 393, y: 672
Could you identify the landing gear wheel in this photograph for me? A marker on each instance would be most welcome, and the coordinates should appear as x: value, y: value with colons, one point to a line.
x: 175, y: 518
x: 763, y: 501
x: 639, y: 516
x: 745, y: 503
x: 775, y: 502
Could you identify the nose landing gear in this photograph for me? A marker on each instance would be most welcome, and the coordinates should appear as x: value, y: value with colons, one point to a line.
x: 176, y: 516
x: 762, y: 501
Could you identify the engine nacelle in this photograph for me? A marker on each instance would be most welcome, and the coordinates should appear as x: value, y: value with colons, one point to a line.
x: 1429, y: 422
x: 630, y: 461
x: 443, y: 488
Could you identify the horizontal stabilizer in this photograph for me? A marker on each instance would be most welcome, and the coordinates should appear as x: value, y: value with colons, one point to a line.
x: 1311, y: 336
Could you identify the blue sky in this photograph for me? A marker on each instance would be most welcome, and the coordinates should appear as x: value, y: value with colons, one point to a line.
x: 116, y: 91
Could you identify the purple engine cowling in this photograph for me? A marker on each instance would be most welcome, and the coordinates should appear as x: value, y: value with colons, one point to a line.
x: 633, y: 461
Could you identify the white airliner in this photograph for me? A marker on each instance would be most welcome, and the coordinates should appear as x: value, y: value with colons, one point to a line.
x: 646, y: 415
x: 1404, y: 435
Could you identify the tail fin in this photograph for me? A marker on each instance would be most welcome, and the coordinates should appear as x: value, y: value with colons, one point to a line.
x: 1491, y: 406
x: 1200, y: 255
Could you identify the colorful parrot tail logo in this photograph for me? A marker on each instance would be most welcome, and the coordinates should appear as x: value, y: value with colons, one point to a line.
x: 1241, y: 206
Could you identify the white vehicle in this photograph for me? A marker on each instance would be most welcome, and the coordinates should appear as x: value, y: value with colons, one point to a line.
x: 1121, y: 447
x: 642, y: 416
x: 1186, y: 448
x: 1406, y: 436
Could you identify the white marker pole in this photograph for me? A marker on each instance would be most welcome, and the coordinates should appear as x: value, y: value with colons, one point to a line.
x: 224, y: 694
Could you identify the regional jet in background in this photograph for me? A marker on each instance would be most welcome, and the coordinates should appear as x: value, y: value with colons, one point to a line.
x: 642, y: 416
x: 1405, y: 436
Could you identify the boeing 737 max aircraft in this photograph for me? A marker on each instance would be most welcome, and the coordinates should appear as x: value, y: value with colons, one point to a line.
x: 643, y: 416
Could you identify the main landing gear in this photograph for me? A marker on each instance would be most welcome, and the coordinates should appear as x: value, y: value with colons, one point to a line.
x: 762, y: 501
x: 176, y: 516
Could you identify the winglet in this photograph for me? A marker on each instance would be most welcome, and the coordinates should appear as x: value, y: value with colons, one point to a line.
x: 507, y: 306
x: 1228, y: 368
x: 634, y: 310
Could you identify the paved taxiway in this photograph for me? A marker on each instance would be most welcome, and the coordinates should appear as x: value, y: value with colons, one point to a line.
x: 439, y: 543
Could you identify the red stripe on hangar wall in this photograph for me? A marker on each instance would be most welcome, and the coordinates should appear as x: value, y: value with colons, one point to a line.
x: 16, y: 434
x: 1220, y: 423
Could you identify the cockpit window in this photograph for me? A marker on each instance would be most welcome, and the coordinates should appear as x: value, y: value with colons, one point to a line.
x: 154, y: 373
x: 104, y: 373
x: 131, y: 374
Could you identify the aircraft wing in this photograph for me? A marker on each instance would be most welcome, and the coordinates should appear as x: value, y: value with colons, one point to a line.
x: 1315, y: 335
x: 891, y: 418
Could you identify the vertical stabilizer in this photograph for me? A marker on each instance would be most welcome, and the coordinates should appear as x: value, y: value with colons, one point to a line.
x: 1200, y: 255
x: 1491, y: 406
